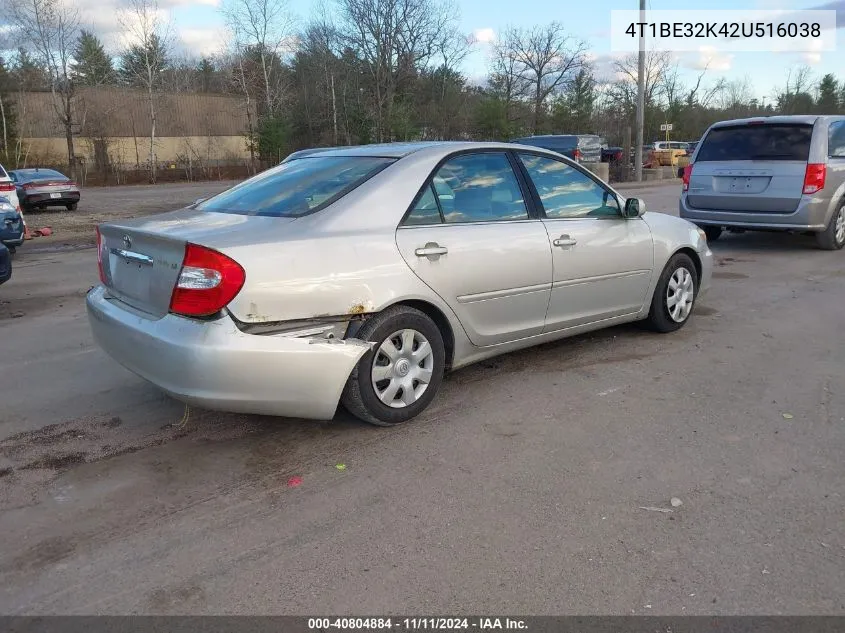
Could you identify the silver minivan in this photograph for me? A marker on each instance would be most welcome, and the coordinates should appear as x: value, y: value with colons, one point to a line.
x: 783, y: 173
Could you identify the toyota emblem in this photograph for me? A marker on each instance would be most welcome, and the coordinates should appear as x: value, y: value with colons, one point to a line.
x: 127, y: 242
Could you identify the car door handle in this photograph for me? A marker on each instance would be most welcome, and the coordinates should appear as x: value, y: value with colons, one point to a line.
x: 565, y: 240
x: 431, y: 249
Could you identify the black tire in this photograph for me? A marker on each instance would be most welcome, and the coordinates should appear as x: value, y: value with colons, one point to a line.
x: 713, y: 233
x: 359, y: 395
x: 72, y: 206
x: 827, y: 240
x: 659, y: 318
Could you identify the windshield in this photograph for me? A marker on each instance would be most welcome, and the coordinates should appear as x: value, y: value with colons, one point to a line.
x: 757, y: 142
x: 298, y: 187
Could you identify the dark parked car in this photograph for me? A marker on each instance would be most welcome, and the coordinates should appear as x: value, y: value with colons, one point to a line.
x: 41, y: 188
x: 582, y: 148
x: 11, y: 225
x: 5, y: 264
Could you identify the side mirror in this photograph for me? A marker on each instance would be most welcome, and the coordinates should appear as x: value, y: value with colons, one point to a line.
x: 634, y: 208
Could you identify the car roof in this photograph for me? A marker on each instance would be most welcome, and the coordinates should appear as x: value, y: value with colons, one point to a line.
x: 400, y: 150
x: 806, y: 119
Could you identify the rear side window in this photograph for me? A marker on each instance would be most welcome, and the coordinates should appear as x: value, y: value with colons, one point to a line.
x: 298, y: 187
x: 836, y: 140
x: 757, y: 142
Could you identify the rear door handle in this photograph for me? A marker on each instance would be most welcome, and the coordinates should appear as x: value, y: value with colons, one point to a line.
x: 565, y: 240
x: 432, y: 249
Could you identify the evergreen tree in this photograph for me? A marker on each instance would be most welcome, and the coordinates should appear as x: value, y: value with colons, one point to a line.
x: 828, y: 101
x: 92, y: 66
x: 142, y: 66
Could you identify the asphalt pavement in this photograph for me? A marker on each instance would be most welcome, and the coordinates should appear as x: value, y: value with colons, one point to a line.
x: 538, y: 483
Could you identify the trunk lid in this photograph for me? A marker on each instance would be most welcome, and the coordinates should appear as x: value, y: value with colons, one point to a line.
x: 142, y: 258
x: 751, y: 167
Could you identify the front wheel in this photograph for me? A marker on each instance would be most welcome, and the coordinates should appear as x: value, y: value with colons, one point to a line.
x: 674, y: 296
x: 399, y: 377
x: 833, y: 237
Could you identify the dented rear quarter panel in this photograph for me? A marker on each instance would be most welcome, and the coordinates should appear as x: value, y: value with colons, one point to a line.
x: 341, y: 261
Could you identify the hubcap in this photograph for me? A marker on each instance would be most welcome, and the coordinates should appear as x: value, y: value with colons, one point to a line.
x: 402, y: 368
x: 840, y: 225
x: 680, y: 295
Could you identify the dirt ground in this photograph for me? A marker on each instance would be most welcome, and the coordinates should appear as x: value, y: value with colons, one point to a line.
x: 538, y: 483
x: 72, y: 229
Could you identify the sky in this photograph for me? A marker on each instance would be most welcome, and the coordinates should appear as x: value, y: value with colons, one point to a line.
x: 198, y: 26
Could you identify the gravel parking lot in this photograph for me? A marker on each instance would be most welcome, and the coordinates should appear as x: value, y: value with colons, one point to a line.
x: 538, y: 483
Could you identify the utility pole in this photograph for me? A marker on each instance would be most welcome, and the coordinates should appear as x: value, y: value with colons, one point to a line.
x: 638, y: 153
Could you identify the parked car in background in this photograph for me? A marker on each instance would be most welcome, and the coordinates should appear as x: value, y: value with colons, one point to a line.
x: 41, y: 188
x: 782, y: 173
x: 612, y: 154
x: 7, y: 188
x: 5, y: 264
x: 691, y: 147
x: 257, y: 300
x: 11, y: 225
x: 582, y: 148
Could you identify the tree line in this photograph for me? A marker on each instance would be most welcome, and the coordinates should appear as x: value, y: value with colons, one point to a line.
x: 373, y: 71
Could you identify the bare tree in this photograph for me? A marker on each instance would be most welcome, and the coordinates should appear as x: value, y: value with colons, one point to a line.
x: 50, y: 28
x: 262, y: 27
x: 393, y: 39
x: 147, y: 56
x: 657, y: 64
x: 548, y: 58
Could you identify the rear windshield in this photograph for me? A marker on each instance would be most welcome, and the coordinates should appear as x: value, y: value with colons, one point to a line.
x: 36, y: 174
x: 298, y: 187
x: 757, y: 142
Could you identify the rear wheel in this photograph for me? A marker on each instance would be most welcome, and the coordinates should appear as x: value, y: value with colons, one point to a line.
x: 400, y: 376
x: 833, y: 237
x: 674, y: 296
x: 713, y: 233
x: 72, y: 206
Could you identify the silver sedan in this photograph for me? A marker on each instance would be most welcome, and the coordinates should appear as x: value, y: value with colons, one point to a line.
x: 361, y: 275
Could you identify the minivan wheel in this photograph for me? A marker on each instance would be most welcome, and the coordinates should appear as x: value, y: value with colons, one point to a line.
x: 399, y: 377
x: 674, y: 296
x: 833, y: 237
x: 713, y: 233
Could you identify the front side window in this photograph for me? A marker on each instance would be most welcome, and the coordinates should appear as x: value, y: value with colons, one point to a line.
x: 566, y: 192
x: 836, y: 140
x: 479, y: 188
x: 297, y: 187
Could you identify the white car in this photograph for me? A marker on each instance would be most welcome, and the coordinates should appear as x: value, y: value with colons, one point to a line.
x: 7, y: 189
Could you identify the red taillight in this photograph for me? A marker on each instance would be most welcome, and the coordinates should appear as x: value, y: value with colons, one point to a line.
x: 29, y: 185
x: 100, y: 255
x: 208, y: 281
x: 618, y: 155
x: 814, y: 177
x: 69, y: 183
x: 577, y: 154
x: 686, y: 177
x: 6, y: 186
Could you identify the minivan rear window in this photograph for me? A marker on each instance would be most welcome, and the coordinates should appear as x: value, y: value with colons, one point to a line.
x: 772, y: 141
x: 298, y: 187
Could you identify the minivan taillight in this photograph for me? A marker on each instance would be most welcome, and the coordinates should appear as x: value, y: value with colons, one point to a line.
x: 207, y: 283
x: 6, y: 187
x: 100, y: 255
x: 686, y: 177
x: 814, y: 177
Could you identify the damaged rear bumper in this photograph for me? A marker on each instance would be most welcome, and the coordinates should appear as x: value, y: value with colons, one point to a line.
x: 213, y: 364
